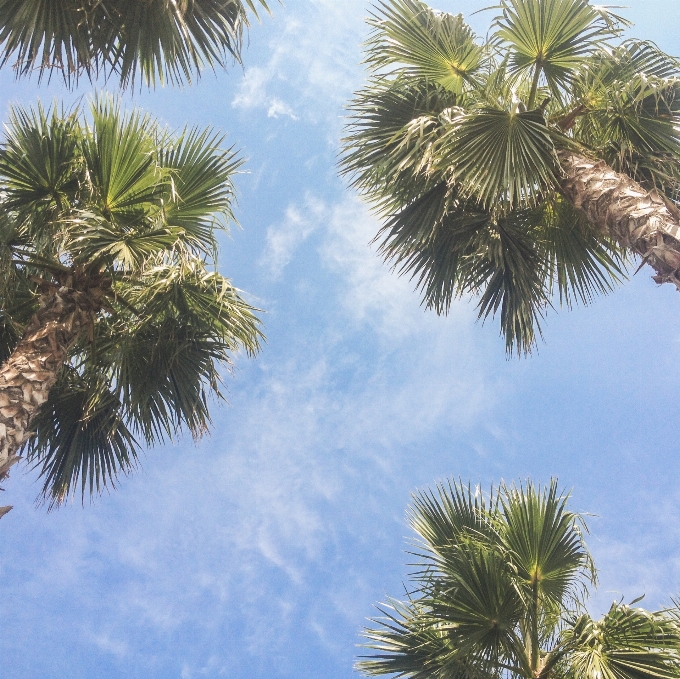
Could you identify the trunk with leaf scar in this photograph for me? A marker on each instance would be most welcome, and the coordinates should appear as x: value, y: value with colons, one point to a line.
x: 66, y: 312
x: 640, y: 220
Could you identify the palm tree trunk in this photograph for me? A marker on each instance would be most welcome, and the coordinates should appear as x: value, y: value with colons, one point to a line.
x: 643, y: 221
x: 31, y: 371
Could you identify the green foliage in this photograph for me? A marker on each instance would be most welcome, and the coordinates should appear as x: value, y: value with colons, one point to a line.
x: 435, y: 46
x: 552, y: 38
x: 499, y: 590
x: 151, y: 41
x: 455, y: 141
x: 116, y: 198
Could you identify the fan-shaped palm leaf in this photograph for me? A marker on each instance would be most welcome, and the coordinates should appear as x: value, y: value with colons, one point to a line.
x: 552, y: 38
x: 151, y: 41
x: 430, y: 45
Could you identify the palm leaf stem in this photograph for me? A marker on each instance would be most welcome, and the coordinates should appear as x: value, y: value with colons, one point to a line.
x: 534, y: 625
x: 534, y: 87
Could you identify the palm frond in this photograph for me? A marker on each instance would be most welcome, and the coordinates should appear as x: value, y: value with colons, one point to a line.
x: 630, y: 117
x: 166, y: 371
x: 40, y: 169
x: 429, y: 45
x: 627, y: 643
x: 167, y: 361
x: 389, y: 150
x: 171, y: 42
x: 50, y: 34
x: 202, y: 187
x: 450, y: 515
x: 148, y: 42
x: 409, y: 642
x: 552, y: 38
x: 81, y: 441
x: 119, y: 152
x: 504, y: 158
x: 545, y: 542
x: 186, y: 289
x: 583, y: 263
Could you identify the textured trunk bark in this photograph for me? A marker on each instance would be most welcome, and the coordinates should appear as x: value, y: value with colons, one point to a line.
x: 30, y: 372
x: 642, y: 221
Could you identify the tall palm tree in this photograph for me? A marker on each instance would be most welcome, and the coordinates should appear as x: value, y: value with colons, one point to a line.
x: 114, y: 323
x: 149, y: 40
x: 535, y: 163
x: 499, y: 592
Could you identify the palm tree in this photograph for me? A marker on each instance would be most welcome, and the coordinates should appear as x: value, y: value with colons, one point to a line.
x: 535, y: 163
x: 114, y: 323
x: 153, y: 40
x: 499, y: 592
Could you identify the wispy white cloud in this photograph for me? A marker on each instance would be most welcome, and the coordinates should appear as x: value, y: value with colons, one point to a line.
x: 283, y: 239
x: 314, y: 61
x: 253, y: 90
x: 279, y: 108
x: 252, y: 94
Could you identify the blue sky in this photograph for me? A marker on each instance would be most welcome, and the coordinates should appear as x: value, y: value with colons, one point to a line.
x: 260, y: 551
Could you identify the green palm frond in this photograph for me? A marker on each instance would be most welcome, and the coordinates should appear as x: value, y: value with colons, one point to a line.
x: 92, y: 239
x: 510, y: 276
x: 434, y: 46
x: 552, y: 38
x: 119, y: 151
x: 201, y: 175
x: 627, y: 643
x: 461, y: 626
x: 583, y: 263
x: 167, y: 371
x: 40, y: 165
x: 451, y: 514
x: 545, y: 542
x: 390, y: 145
x: 150, y: 42
x: 621, y: 63
x: 630, y: 114
x: 49, y: 34
x: 82, y: 441
x: 186, y: 289
x: 168, y: 360
x: 450, y: 250
x: 513, y: 262
x: 504, y: 158
x: 409, y: 642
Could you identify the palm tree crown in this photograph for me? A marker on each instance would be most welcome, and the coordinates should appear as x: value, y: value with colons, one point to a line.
x: 153, y: 40
x: 113, y: 319
x: 532, y: 164
x: 499, y: 593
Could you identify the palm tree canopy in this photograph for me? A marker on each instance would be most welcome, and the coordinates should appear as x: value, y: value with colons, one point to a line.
x: 500, y: 590
x: 150, y: 41
x: 112, y: 201
x: 456, y: 143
